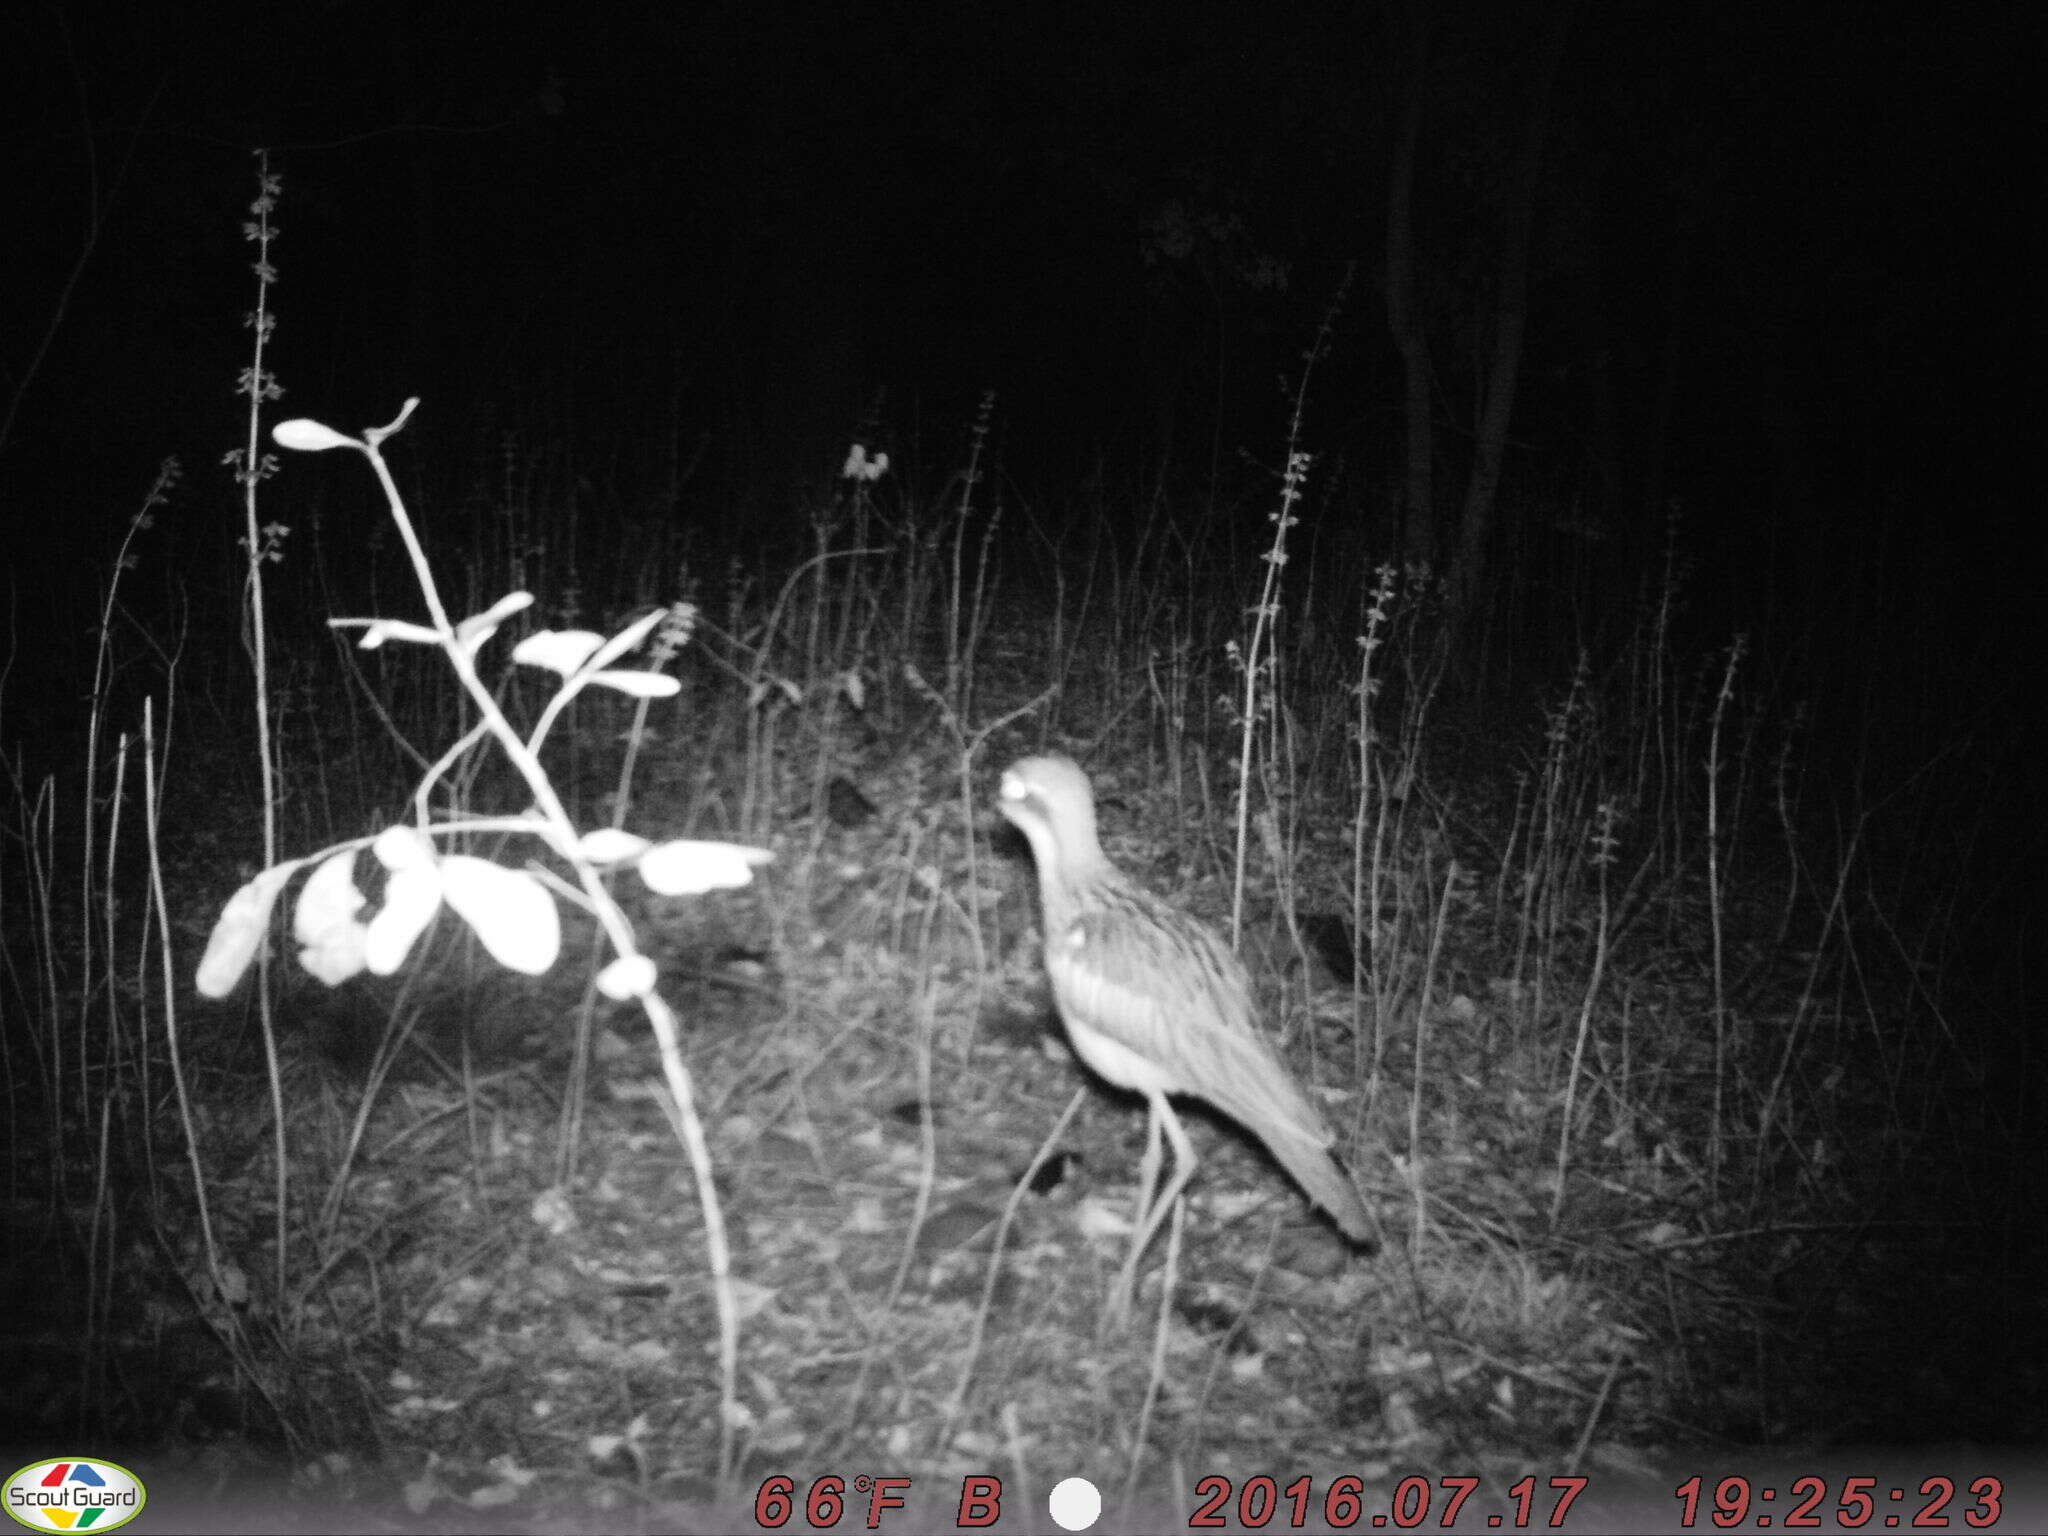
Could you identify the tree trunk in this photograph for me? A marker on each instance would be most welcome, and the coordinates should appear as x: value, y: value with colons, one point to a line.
x: 1404, y: 319
x: 1497, y: 388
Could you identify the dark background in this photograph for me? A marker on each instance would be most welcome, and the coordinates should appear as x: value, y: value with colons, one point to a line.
x: 1777, y: 276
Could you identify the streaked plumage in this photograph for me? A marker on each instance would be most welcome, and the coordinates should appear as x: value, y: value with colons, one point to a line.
x: 1158, y: 1004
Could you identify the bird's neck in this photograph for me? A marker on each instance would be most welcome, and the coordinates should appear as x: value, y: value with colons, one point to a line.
x: 1068, y: 878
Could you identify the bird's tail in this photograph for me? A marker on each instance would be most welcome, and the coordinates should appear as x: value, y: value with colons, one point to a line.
x: 1323, y: 1179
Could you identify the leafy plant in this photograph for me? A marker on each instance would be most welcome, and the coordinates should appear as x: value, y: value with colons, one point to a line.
x: 513, y: 912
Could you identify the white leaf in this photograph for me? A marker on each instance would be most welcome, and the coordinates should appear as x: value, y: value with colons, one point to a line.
x: 403, y: 847
x: 309, y: 436
x: 411, y: 898
x: 330, y: 897
x: 476, y: 630
x: 512, y: 912
x: 629, y: 637
x: 559, y: 650
x: 684, y: 868
x: 239, y: 932
x: 334, y: 945
x: 610, y: 845
x: 377, y: 631
x: 503, y: 608
x: 641, y: 685
x: 341, y: 954
x: 627, y: 978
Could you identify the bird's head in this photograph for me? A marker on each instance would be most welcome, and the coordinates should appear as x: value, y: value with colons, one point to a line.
x: 1049, y: 800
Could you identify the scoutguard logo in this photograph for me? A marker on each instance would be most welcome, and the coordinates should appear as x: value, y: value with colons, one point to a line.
x: 74, y: 1495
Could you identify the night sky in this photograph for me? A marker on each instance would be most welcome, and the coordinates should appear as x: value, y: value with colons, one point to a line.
x: 726, y: 234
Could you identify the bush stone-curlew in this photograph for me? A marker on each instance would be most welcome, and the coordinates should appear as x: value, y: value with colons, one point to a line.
x: 1156, y: 1003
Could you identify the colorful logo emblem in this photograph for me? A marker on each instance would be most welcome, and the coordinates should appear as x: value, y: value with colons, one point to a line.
x: 74, y: 1495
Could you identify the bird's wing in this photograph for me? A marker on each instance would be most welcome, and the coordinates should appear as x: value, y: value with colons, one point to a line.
x: 1163, y: 988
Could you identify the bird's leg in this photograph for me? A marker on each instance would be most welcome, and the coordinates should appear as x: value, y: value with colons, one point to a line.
x: 1184, y: 1161
x: 1141, y: 1225
x: 1161, y: 1117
